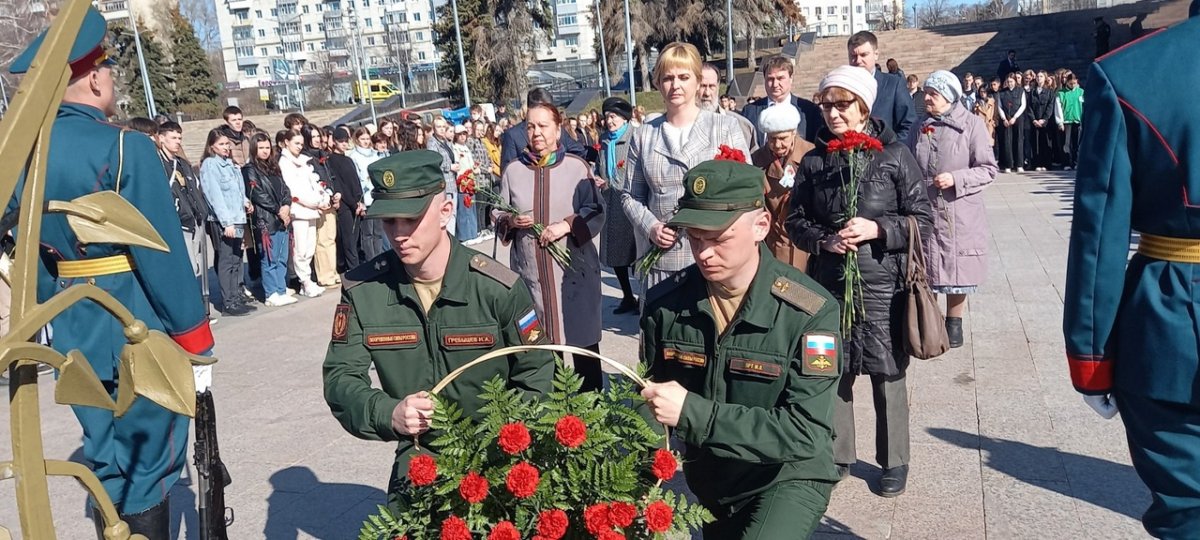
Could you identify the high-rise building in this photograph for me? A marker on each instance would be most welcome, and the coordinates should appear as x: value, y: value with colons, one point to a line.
x: 274, y: 43
x: 574, y: 32
x: 153, y: 13
x: 845, y: 17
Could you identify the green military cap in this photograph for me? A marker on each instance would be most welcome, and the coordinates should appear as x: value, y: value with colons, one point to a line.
x: 87, y: 52
x: 716, y: 192
x: 404, y: 183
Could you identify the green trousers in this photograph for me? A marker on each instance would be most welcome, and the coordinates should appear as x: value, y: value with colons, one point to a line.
x: 789, y: 510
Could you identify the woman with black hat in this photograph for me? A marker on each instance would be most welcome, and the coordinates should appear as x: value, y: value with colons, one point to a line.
x: 617, y: 247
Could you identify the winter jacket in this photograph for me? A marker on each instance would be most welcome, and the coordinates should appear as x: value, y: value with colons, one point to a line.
x: 985, y: 110
x: 185, y: 189
x: 225, y: 191
x: 304, y: 183
x: 891, y: 190
x: 956, y: 253
x: 268, y: 193
x: 343, y: 178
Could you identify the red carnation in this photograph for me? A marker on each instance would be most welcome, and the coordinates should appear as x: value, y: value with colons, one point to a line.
x: 597, y: 519
x: 834, y: 146
x: 295, y: 199
x: 552, y: 524
x: 454, y: 528
x: 522, y: 480
x: 504, y: 530
x: 664, y: 465
x: 473, y: 488
x: 659, y: 516
x: 729, y: 153
x: 927, y: 130
x: 405, y: 537
x: 622, y: 514
x: 570, y: 431
x: 422, y: 470
x: 514, y: 438
x: 610, y: 535
x: 621, y: 164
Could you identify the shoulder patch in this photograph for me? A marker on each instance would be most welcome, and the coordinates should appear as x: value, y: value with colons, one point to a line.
x: 820, y: 355
x: 797, y: 295
x: 341, y: 323
x: 492, y: 268
x: 667, y: 285
x: 367, y: 271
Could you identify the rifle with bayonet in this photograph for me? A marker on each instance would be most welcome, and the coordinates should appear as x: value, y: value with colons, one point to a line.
x: 211, y: 472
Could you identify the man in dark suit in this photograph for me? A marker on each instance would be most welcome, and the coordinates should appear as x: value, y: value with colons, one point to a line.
x: 777, y: 79
x: 892, y: 104
x: 514, y: 139
x: 1008, y: 65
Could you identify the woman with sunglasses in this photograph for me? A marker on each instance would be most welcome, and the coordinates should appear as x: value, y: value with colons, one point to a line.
x: 891, y: 190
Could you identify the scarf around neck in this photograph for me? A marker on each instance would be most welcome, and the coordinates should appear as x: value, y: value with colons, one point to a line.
x: 528, y: 157
x: 610, y: 145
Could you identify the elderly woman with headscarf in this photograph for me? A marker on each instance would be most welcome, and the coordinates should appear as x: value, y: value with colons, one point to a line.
x: 618, y: 249
x: 957, y: 163
x: 780, y: 159
x: 889, y: 191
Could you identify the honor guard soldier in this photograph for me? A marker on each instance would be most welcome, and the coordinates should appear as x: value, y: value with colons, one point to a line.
x: 418, y: 312
x: 747, y: 355
x: 1131, y: 324
x: 137, y: 457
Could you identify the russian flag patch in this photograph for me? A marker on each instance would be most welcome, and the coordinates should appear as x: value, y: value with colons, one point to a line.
x: 820, y: 354
x: 530, y: 328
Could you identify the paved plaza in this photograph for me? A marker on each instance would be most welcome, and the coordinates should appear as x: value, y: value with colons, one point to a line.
x: 1002, y: 446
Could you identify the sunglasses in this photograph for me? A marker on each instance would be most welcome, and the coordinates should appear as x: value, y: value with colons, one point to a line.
x: 841, y: 106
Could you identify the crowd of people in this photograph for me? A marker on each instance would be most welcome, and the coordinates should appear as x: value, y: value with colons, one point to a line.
x: 1033, y: 118
x: 293, y: 204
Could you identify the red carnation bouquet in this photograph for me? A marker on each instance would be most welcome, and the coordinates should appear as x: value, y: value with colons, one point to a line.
x: 569, y: 465
x: 857, y: 148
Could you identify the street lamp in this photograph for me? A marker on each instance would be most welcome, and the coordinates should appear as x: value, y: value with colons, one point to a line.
x: 603, y: 53
x: 629, y: 58
x: 729, y: 44
x: 462, y: 65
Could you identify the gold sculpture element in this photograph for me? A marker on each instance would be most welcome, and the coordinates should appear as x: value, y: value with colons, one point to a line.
x: 152, y: 365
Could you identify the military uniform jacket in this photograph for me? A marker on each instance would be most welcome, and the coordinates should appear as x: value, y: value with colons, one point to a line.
x: 1136, y: 328
x: 760, y: 396
x: 87, y: 155
x: 482, y: 306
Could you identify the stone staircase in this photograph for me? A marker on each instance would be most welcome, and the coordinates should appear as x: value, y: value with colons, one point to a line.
x: 1043, y: 42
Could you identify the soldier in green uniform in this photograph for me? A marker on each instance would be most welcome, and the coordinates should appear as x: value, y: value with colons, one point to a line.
x: 418, y: 312
x: 746, y: 353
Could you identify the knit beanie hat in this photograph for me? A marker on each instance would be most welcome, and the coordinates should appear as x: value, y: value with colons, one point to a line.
x: 853, y: 79
x: 946, y: 84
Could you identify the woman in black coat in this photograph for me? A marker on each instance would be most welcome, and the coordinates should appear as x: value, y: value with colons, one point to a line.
x: 272, y: 214
x: 343, y: 179
x: 891, y: 189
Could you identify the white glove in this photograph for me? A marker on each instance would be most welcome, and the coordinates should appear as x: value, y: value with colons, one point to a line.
x: 1105, y: 405
x: 203, y: 376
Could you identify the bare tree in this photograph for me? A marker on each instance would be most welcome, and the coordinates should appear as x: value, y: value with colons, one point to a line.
x: 937, y: 13
x: 203, y: 16
x: 20, y: 22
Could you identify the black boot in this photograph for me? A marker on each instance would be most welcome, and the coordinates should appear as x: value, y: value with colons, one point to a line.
x: 894, y: 481
x: 954, y: 331
x: 628, y: 305
x: 154, y: 523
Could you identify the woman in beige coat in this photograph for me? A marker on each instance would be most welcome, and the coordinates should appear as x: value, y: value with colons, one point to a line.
x: 556, y: 189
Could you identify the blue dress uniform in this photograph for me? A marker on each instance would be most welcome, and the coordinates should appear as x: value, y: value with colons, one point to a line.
x: 139, y: 456
x: 1134, y: 331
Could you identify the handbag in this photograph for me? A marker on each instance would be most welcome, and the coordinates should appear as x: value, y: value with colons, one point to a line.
x: 925, y: 326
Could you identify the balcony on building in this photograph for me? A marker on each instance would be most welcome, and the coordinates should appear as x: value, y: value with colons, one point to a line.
x: 112, y: 6
x: 287, y: 7
x: 237, y: 4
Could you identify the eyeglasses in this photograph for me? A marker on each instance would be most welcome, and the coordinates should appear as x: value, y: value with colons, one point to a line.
x: 841, y: 106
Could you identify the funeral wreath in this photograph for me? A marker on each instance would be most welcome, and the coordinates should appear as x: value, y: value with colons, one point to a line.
x: 569, y: 465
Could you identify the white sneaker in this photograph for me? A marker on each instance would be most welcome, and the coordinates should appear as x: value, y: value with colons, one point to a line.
x: 312, y: 290
x: 1020, y: 169
x: 290, y: 291
x: 279, y: 300
x: 487, y: 234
